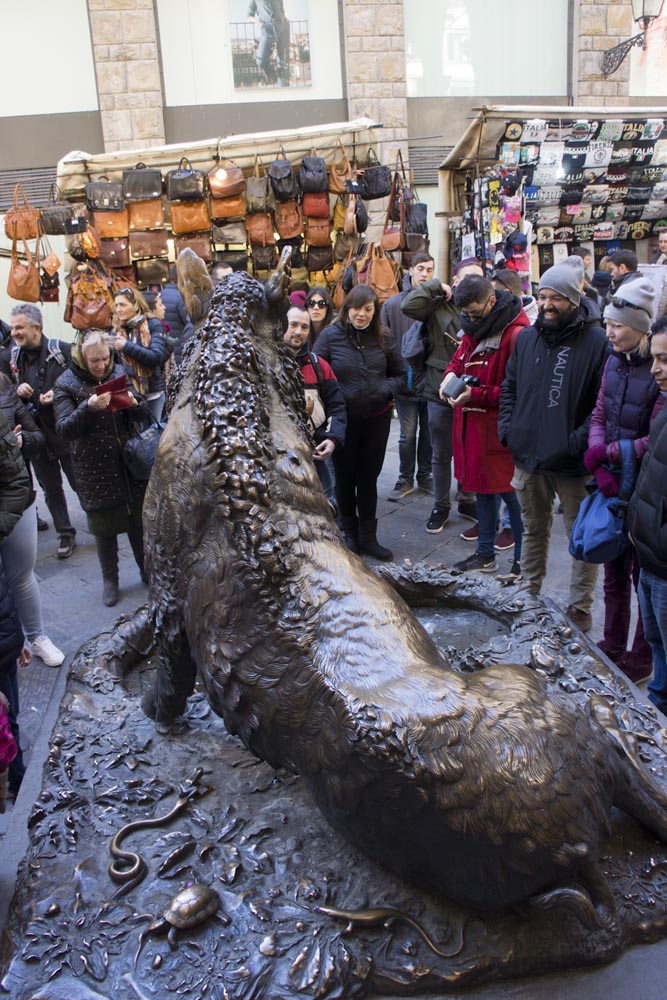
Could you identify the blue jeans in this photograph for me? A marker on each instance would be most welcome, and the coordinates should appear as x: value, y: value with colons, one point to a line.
x: 488, y: 505
x: 413, y: 415
x: 440, y: 421
x: 652, y: 593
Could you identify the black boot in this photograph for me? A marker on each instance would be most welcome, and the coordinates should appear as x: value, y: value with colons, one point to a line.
x: 350, y: 526
x: 107, y: 554
x: 369, y: 544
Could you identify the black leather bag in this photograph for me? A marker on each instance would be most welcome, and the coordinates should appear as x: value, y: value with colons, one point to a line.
x: 284, y: 184
x: 105, y: 196
x: 140, y: 449
x: 154, y: 271
x: 142, y: 183
x: 264, y: 258
x: 416, y: 217
x: 185, y: 183
x: 374, y: 180
x: 56, y: 214
x: 319, y: 258
x: 313, y: 176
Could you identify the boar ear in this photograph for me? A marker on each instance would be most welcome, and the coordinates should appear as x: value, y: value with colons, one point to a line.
x: 279, y: 285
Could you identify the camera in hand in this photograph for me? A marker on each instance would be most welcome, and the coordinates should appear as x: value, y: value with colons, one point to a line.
x: 459, y: 384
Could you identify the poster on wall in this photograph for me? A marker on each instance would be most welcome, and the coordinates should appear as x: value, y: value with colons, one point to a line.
x: 270, y: 43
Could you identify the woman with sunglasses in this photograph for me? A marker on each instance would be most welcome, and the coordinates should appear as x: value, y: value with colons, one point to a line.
x: 321, y: 310
x: 142, y: 345
x: 627, y: 402
x: 370, y: 370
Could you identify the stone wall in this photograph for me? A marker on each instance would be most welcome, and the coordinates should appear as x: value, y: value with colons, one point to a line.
x: 602, y: 24
x: 129, y: 85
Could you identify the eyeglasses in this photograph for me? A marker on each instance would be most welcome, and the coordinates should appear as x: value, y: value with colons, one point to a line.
x: 317, y: 304
x: 624, y: 304
x: 476, y: 315
x: 128, y: 292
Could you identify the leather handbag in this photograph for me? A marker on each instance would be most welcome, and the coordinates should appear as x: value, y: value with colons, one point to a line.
x: 146, y: 214
x: 225, y: 181
x: 283, y: 179
x: 317, y: 233
x: 23, y: 283
x: 116, y: 253
x: 373, y: 180
x: 341, y: 170
x: 343, y: 245
x: 417, y: 243
x: 50, y: 260
x: 259, y: 227
x: 228, y: 208
x: 140, y: 450
x: 316, y: 205
x: 142, y: 183
x: 189, y: 217
x: 356, y: 216
x: 105, y: 196
x: 392, y: 236
x: 340, y: 210
x: 416, y: 217
x: 233, y: 232
x: 151, y: 244
x: 288, y: 220
x: 185, y: 183
x: 22, y: 221
x: 126, y: 275
x: 313, y: 174
x: 56, y: 214
x: 237, y: 259
x: 263, y: 258
x: 381, y: 274
x: 201, y: 245
x: 258, y: 191
x: 89, y: 301
x: 49, y: 286
x: 152, y: 272
x: 112, y: 225
x: 319, y: 258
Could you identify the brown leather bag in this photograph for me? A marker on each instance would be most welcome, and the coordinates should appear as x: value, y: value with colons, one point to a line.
x: 22, y: 221
x: 232, y: 232
x: 152, y: 272
x: 23, y: 283
x: 341, y: 170
x: 201, y: 245
x: 116, y: 253
x: 340, y: 211
x: 189, y: 217
x: 392, y: 236
x: 288, y: 220
x: 89, y: 301
x: 146, y: 214
x: 316, y: 205
x: 339, y: 293
x: 317, y: 232
x: 112, y: 225
x: 225, y: 181
x: 151, y: 244
x: 382, y: 274
x: 259, y: 228
x: 228, y: 208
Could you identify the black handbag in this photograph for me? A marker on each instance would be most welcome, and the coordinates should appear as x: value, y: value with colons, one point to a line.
x: 319, y: 258
x: 416, y: 218
x: 264, y: 258
x: 140, y: 449
x: 185, y: 183
x: 236, y: 259
x: 142, y: 183
x: 374, y: 180
x: 105, y: 196
x: 313, y: 174
x: 153, y: 271
x: 56, y: 214
x: 284, y: 184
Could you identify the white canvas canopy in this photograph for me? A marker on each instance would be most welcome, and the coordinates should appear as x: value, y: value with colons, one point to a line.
x: 77, y: 168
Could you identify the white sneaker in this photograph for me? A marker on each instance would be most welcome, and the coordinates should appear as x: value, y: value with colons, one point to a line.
x: 47, y: 652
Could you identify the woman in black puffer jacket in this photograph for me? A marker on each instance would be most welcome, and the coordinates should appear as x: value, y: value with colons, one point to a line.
x: 370, y: 371
x: 142, y: 345
x: 111, y: 499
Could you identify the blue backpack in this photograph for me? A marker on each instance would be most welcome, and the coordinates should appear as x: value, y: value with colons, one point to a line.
x: 599, y: 533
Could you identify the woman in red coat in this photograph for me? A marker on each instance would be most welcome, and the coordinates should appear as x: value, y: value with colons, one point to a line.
x: 491, y: 321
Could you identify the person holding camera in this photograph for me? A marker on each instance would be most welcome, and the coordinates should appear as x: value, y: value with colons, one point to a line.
x: 491, y: 321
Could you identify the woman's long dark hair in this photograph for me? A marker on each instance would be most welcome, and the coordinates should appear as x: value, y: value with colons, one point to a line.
x: 359, y: 296
x: 321, y: 293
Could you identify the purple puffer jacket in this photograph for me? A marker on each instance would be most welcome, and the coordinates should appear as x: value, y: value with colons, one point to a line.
x: 627, y: 404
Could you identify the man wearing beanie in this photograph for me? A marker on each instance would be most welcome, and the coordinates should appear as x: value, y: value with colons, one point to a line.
x: 550, y: 388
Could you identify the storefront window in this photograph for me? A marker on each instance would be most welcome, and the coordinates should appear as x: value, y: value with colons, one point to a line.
x: 470, y: 48
x: 648, y: 67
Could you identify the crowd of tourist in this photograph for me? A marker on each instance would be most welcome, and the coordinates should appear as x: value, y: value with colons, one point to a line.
x: 530, y: 398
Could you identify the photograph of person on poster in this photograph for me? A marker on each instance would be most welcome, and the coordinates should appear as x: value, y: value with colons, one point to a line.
x: 270, y: 44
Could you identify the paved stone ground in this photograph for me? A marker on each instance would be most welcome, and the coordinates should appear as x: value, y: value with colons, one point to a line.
x: 73, y: 612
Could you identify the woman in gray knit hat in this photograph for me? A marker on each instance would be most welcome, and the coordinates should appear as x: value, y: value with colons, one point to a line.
x: 626, y: 405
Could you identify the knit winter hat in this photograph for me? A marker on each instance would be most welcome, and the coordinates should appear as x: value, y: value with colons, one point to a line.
x: 601, y: 281
x: 634, y: 305
x: 565, y: 278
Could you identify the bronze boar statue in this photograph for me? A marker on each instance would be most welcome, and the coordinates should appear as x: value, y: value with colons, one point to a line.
x: 487, y: 787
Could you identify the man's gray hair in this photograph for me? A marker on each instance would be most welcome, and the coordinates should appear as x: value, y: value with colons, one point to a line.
x: 33, y: 313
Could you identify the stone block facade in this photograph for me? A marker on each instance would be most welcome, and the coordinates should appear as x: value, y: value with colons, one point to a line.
x: 601, y: 25
x: 129, y: 85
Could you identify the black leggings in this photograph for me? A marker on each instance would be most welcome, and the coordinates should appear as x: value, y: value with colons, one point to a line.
x: 359, y: 464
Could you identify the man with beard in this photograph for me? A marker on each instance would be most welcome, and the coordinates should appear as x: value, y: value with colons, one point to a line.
x: 549, y: 392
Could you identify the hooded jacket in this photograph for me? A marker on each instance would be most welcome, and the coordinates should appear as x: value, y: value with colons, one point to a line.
x: 627, y: 403
x: 370, y: 376
x: 550, y: 388
x: 329, y: 392
x: 647, y: 514
x: 427, y: 303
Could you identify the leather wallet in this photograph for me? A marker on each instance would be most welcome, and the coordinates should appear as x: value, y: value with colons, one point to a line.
x: 120, y: 397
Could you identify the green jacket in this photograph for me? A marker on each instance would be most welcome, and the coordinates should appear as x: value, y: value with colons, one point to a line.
x: 428, y: 304
x: 14, y: 480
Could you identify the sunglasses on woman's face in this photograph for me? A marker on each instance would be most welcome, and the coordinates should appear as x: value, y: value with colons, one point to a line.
x: 317, y: 304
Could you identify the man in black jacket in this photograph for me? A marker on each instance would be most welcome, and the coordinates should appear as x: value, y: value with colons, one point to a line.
x: 34, y: 364
x: 547, y: 398
x: 647, y: 522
